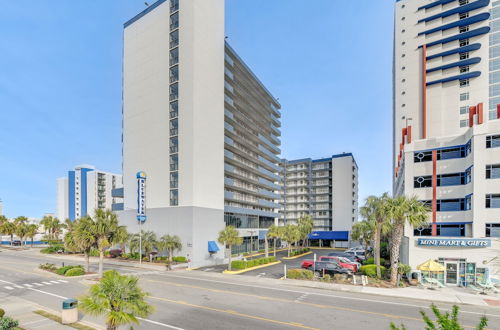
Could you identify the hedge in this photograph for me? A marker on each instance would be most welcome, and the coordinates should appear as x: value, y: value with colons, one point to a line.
x: 64, y: 270
x: 371, y: 261
x: 301, y: 251
x: 179, y: 259
x: 243, y: 264
x: 300, y: 274
x: 76, y: 271
x: 52, y: 249
x: 371, y: 270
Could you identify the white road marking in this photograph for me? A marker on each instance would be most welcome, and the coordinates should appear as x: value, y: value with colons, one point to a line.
x: 37, y: 284
x: 63, y: 281
x: 55, y: 282
x: 330, y: 295
x: 18, y: 286
x: 28, y: 285
x: 9, y: 288
x: 50, y: 294
x: 160, y: 324
x: 47, y: 283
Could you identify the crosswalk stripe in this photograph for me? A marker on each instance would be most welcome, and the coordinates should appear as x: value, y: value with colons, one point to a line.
x: 55, y: 282
x: 63, y: 281
x: 8, y: 288
x: 47, y: 283
x: 18, y: 286
x: 38, y: 284
x: 28, y: 285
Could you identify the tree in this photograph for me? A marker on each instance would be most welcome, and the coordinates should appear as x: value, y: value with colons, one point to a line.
x: 3, y: 219
x: 376, y: 211
x: 21, y: 231
x: 119, y: 298
x: 148, y: 242
x: 84, y: 238
x: 104, y: 229
x: 20, y: 220
x: 404, y: 210
x: 121, y: 237
x: 170, y: 243
x: 444, y: 321
x: 290, y: 234
x: 363, y: 231
x: 52, y: 227
x: 31, y: 232
x: 229, y: 236
x: 274, y: 232
x: 305, y: 226
x: 9, y: 228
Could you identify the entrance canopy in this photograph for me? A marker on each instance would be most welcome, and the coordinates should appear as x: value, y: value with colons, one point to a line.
x: 431, y: 266
x: 330, y: 235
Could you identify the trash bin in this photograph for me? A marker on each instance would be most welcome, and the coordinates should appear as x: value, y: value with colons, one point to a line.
x: 69, y: 311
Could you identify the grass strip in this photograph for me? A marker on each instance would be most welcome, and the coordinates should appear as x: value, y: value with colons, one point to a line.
x: 57, y: 319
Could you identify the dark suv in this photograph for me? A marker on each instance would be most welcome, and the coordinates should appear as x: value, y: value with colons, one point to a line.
x: 330, y: 268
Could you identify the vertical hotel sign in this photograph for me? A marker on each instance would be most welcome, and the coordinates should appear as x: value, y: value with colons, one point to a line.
x: 141, y: 197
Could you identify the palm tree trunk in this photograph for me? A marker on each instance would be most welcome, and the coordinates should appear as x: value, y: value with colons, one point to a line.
x: 376, y: 248
x: 32, y: 242
x: 266, y: 246
x: 11, y: 239
x: 397, y: 236
x: 101, y: 262
x: 289, y: 249
x: 274, y: 243
x: 87, y: 261
x: 230, y: 255
x: 170, y: 258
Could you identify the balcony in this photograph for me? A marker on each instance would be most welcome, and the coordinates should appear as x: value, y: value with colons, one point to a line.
x: 268, y: 193
x: 228, y: 154
x: 174, y: 114
x: 228, y: 114
x: 269, y: 144
x: 268, y: 174
x: 117, y: 192
x: 228, y: 141
x: 276, y: 130
x: 269, y: 164
x: 174, y: 131
x: 229, y: 127
x: 229, y: 181
x: 229, y: 168
x: 268, y: 153
x: 269, y: 184
x: 269, y: 204
x: 174, y: 149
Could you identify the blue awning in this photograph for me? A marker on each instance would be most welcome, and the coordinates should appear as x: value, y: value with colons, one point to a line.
x: 212, y: 247
x: 332, y: 235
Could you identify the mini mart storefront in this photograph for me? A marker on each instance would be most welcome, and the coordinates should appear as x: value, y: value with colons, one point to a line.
x: 466, y: 260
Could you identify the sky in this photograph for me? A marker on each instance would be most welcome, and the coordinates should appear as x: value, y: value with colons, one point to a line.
x: 329, y: 62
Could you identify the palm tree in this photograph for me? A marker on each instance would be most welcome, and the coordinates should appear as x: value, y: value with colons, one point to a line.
x: 147, y: 243
x: 306, y: 225
x: 20, y: 220
x: 21, y: 231
x: 363, y: 231
x: 290, y: 234
x: 84, y: 238
x: 119, y: 298
x: 121, y: 237
x: 104, y: 228
x: 170, y: 243
x: 31, y: 232
x: 274, y: 232
x: 9, y: 228
x: 52, y: 226
x: 404, y: 210
x: 375, y: 210
x: 229, y: 236
x: 3, y: 219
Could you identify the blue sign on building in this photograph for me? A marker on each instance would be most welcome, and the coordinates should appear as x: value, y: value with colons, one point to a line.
x: 455, y: 242
x: 141, y: 197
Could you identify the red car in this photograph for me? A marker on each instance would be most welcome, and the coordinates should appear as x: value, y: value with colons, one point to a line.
x: 339, y: 262
x: 307, y: 264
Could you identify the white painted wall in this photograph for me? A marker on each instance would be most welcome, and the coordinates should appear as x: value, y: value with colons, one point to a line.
x: 344, y: 177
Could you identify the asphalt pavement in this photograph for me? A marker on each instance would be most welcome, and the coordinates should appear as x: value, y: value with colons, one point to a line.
x: 204, y: 300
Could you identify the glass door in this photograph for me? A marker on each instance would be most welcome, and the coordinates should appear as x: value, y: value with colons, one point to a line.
x: 451, y: 273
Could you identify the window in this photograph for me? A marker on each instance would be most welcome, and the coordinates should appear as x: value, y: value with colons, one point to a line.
x: 174, y: 127
x: 174, y: 5
x: 443, y: 180
x: 464, y: 110
x: 174, y: 74
x: 493, y: 201
x: 174, y: 56
x: 174, y: 197
x: 493, y: 230
x: 174, y: 180
x: 422, y: 181
x: 493, y: 141
x: 464, y: 96
x: 463, y: 29
x: 174, y: 145
x: 463, y: 15
x: 463, y: 42
x: 464, y: 123
x: 443, y: 153
x: 174, y: 162
x: 464, y: 69
x: 464, y: 56
x: 174, y: 92
x: 174, y: 21
x: 464, y: 83
x: 452, y: 230
x: 174, y: 39
x: 174, y: 109
x: 493, y: 171
x: 229, y: 73
x: 463, y: 2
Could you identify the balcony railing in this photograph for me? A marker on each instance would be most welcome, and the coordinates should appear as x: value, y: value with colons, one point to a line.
x: 174, y: 149
x: 174, y: 131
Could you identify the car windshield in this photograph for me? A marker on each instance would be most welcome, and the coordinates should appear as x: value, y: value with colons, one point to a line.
x: 344, y: 259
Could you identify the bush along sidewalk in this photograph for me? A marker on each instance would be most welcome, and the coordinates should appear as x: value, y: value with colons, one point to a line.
x: 244, y: 264
x: 6, y: 322
x: 300, y: 251
x: 64, y: 271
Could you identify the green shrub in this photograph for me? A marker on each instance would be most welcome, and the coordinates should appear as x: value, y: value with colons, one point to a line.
x: 371, y: 270
x: 63, y: 270
x: 47, y: 266
x: 242, y: 264
x: 327, y: 278
x: 404, y: 269
x: 8, y: 323
x: 179, y: 259
x: 300, y: 251
x: 2, y: 313
x: 371, y: 261
x: 76, y: 271
x: 300, y: 274
x: 52, y: 249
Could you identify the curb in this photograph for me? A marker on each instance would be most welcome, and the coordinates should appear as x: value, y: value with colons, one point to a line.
x: 297, y: 256
x: 235, y: 272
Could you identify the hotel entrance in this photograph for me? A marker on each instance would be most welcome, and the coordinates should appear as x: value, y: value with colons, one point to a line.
x: 451, y: 273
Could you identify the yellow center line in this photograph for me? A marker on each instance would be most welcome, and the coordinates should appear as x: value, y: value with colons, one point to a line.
x: 231, y: 312
x: 391, y: 316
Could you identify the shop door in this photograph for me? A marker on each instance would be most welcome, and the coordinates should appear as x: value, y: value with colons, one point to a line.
x: 451, y: 273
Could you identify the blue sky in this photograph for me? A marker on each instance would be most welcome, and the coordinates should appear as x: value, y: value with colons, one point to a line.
x: 328, y: 62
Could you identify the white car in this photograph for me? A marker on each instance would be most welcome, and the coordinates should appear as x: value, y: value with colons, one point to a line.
x: 355, y: 249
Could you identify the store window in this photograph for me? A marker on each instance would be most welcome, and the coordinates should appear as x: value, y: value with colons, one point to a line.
x: 493, y: 230
x: 493, y: 201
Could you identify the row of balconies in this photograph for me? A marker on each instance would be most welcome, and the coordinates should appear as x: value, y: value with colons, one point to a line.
x: 254, y: 201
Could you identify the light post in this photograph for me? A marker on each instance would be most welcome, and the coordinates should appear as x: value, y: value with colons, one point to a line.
x: 251, y: 239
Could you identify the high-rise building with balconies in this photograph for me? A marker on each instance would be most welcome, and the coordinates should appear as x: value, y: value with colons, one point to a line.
x: 86, y: 189
x: 327, y: 190
x: 447, y: 133
x: 200, y: 125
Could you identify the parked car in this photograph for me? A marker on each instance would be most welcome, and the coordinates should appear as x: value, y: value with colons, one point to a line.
x: 16, y: 243
x: 347, y: 261
x: 307, y: 263
x: 360, y: 254
x: 330, y: 268
x: 341, y: 263
x: 349, y: 256
x: 354, y: 249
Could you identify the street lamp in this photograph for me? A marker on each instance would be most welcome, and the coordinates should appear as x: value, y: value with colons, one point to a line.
x: 251, y: 239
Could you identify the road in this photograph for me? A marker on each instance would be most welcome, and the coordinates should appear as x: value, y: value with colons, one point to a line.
x: 199, y: 300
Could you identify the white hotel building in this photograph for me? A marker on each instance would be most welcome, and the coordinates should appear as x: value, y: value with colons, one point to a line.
x: 327, y: 190
x: 447, y: 132
x: 86, y: 189
x: 201, y: 126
